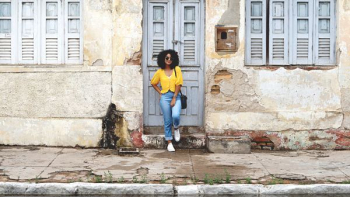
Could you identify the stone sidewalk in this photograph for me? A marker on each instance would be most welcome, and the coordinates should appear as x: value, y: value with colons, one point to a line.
x: 67, y: 165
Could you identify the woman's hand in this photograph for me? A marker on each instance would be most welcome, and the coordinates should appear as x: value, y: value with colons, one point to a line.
x: 160, y: 95
x: 172, y: 104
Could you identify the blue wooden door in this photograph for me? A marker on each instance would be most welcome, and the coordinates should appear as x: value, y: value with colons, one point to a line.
x: 178, y: 25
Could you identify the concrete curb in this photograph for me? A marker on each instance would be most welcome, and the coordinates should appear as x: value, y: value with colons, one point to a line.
x: 261, y: 190
x: 71, y: 189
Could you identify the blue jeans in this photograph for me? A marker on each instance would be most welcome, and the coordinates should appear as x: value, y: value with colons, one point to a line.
x: 171, y: 115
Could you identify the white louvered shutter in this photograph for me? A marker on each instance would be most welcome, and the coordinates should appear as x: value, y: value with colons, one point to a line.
x: 51, y: 30
x: 325, y: 25
x: 255, y: 32
x: 278, y: 34
x: 159, y: 30
x: 6, y: 35
x: 73, y: 32
x: 28, y: 25
x: 189, y: 33
x: 302, y: 32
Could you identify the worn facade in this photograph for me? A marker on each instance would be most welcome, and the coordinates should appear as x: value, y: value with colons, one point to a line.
x: 279, y: 107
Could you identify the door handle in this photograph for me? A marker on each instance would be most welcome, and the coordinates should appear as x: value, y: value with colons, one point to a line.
x: 176, y: 41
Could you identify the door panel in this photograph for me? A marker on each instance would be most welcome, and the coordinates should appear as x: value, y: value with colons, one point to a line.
x: 178, y: 25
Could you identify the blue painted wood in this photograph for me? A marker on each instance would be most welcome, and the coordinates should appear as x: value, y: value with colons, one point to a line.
x: 186, y: 36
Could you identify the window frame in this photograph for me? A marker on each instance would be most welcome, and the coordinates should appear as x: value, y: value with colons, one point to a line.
x: 291, y: 36
x: 40, y: 34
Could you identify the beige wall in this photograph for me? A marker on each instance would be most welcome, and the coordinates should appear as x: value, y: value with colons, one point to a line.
x: 281, y: 103
x: 274, y: 99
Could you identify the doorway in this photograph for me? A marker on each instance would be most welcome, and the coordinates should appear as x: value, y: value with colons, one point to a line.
x: 178, y: 25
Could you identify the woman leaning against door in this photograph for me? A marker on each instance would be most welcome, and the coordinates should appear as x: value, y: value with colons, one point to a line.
x: 170, y: 77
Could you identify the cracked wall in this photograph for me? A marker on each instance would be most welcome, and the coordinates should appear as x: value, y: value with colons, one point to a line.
x: 294, y: 105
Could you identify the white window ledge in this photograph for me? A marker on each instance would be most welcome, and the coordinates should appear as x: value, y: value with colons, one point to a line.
x: 10, y: 68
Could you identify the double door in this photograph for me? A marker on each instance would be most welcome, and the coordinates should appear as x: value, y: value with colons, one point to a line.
x: 178, y: 25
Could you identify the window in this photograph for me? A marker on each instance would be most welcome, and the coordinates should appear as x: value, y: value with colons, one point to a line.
x: 40, y: 32
x: 290, y: 32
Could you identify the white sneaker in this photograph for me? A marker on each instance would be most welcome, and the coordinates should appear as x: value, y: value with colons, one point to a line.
x: 177, y: 134
x: 171, y: 147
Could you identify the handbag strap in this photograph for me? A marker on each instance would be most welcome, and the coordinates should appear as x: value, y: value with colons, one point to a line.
x: 176, y: 78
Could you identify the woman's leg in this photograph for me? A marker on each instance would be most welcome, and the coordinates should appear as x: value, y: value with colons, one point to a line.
x: 166, y: 110
x: 176, y: 110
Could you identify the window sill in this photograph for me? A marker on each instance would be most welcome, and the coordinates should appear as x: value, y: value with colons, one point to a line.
x: 292, y: 67
x: 10, y: 68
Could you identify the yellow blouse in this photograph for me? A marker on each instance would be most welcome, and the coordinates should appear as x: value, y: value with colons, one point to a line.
x: 166, y: 82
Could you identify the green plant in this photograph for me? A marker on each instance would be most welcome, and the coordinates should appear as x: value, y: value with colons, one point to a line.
x: 37, y: 179
x: 239, y: 181
x: 98, y: 179
x: 143, y: 179
x: 248, y: 180
x: 134, y: 179
x: 208, y: 180
x: 218, y: 179
x: 345, y: 182
x: 185, y: 182
x: 194, y: 179
x: 162, y: 178
x: 108, y: 177
x: 227, y: 177
x: 121, y: 179
x: 275, y: 181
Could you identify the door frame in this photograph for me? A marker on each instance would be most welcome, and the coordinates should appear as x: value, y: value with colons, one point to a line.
x: 145, y: 50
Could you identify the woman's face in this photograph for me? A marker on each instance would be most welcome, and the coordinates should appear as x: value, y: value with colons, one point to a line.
x: 168, y: 59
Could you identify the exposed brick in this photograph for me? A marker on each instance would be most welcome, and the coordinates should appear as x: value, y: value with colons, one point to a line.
x: 215, y: 89
x: 261, y: 144
x: 261, y: 139
x: 222, y: 74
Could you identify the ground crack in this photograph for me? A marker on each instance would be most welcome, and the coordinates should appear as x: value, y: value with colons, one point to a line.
x: 58, y: 153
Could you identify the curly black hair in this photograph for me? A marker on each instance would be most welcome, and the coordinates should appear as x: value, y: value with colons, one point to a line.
x: 163, y: 54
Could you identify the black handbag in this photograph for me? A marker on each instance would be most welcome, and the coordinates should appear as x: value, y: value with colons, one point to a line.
x: 182, y: 96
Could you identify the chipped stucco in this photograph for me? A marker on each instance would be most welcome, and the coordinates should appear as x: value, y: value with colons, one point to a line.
x: 288, y: 102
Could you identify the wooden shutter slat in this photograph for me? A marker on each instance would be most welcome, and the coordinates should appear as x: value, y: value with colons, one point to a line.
x: 278, y: 34
x: 324, y: 32
x: 302, y: 32
x: 255, y: 32
x: 73, y: 33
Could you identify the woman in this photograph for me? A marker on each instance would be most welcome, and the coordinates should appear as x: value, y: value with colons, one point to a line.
x: 170, y: 77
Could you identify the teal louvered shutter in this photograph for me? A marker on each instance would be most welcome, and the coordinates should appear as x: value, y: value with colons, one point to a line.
x: 255, y: 32
x: 73, y: 32
x: 28, y: 30
x: 302, y: 32
x: 51, y: 34
x: 6, y: 32
x: 278, y: 34
x: 325, y: 27
x: 189, y: 33
x: 159, y: 30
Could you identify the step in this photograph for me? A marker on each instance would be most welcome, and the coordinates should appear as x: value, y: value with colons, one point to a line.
x: 186, y: 130
x: 189, y: 141
x: 229, y: 144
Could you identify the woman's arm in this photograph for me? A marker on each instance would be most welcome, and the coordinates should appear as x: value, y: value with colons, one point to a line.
x: 155, y: 86
x: 177, y: 90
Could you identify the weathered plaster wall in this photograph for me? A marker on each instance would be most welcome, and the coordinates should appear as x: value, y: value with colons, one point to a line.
x: 98, y: 31
x: 50, y: 131
x: 55, y: 94
x: 292, y: 104
x: 127, y: 73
